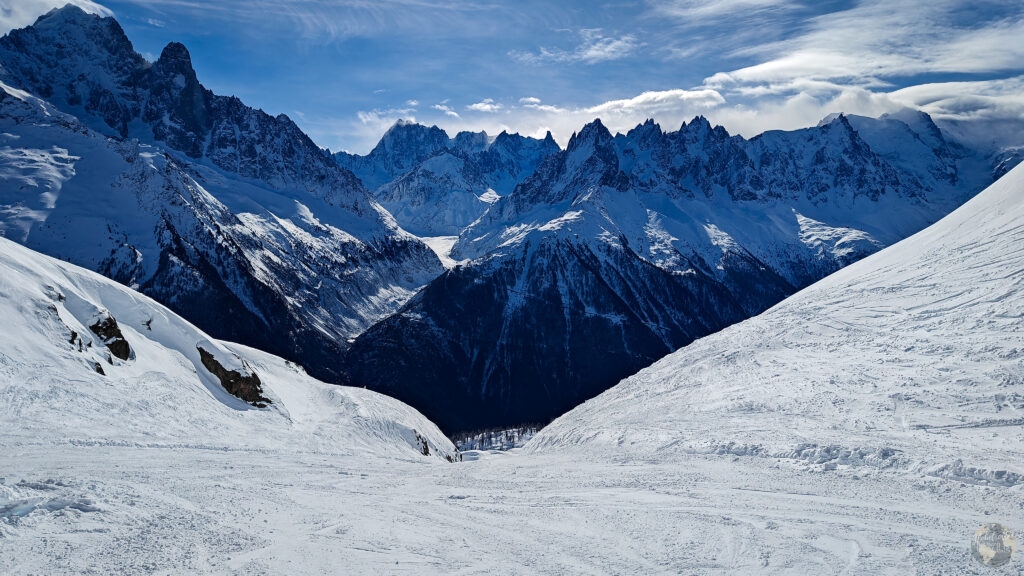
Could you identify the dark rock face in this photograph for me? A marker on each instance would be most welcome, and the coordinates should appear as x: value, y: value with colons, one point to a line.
x: 110, y: 333
x: 248, y: 388
x: 531, y: 336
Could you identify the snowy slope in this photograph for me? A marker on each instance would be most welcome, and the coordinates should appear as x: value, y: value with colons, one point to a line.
x: 161, y: 394
x: 916, y: 349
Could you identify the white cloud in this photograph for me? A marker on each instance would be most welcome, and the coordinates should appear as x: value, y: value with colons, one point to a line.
x: 598, y: 48
x: 545, y: 108
x: 704, y: 9
x: 21, y: 13
x: 486, y: 105
x: 659, y: 101
x: 987, y: 112
x: 873, y: 41
x: 594, y: 47
x: 529, y: 100
x: 446, y: 109
x: 412, y: 103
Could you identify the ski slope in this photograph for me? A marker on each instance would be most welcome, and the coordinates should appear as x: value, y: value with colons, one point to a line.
x: 868, y: 425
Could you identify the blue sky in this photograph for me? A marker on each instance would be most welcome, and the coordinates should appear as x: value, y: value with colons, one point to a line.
x: 345, y: 70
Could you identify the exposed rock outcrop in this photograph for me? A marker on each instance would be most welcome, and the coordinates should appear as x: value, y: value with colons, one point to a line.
x: 110, y: 333
x: 245, y: 386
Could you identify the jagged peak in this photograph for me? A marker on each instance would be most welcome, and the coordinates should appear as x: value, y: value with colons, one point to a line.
x: 698, y: 122
x: 404, y: 126
x: 837, y: 121
x: 829, y: 118
x: 471, y: 141
x: 100, y: 29
x: 594, y: 133
x: 175, y: 52
x: 175, y: 59
x: 700, y: 127
x: 648, y: 127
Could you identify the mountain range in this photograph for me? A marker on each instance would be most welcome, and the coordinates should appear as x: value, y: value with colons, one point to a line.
x: 620, y: 249
x: 435, y: 185
x: 869, y: 424
x: 571, y: 268
x: 231, y: 217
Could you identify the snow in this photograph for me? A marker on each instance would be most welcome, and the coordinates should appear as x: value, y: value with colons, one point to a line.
x: 881, y: 408
x: 105, y: 204
x: 867, y: 425
x: 442, y: 246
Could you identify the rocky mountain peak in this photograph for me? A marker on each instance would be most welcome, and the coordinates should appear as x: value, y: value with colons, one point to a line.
x: 470, y: 142
x: 646, y: 133
x: 407, y: 143
x: 593, y: 135
x: 175, y: 59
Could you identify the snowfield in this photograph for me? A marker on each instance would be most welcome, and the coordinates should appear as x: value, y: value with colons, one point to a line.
x: 867, y: 425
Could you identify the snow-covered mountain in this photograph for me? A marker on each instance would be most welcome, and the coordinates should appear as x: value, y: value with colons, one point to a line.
x: 233, y: 218
x: 618, y: 250
x: 435, y: 185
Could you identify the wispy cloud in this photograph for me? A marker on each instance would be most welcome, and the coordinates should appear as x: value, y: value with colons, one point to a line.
x: 655, y: 102
x: 446, y: 109
x: 331, y: 20
x: 708, y: 9
x: 384, y: 118
x: 871, y: 41
x: 985, y: 112
x: 594, y: 47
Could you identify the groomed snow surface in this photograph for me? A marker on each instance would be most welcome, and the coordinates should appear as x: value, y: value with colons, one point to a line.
x: 867, y: 425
